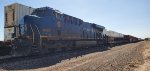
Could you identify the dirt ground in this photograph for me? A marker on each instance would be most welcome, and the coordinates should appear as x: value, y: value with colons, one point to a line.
x: 129, y: 57
x: 146, y: 54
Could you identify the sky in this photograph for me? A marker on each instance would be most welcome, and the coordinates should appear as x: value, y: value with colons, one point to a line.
x: 124, y: 16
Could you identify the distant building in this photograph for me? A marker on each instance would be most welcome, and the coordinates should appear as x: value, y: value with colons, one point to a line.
x: 13, y: 15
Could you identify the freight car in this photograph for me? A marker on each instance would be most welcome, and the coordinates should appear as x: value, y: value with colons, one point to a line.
x: 48, y: 30
x: 114, y: 38
x: 130, y: 39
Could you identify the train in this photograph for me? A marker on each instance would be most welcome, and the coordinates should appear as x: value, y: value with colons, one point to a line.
x: 48, y: 30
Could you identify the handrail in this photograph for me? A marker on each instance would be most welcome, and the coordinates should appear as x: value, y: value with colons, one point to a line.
x: 32, y: 33
x: 39, y: 33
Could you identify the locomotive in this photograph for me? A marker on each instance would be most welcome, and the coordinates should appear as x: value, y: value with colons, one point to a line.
x: 48, y: 30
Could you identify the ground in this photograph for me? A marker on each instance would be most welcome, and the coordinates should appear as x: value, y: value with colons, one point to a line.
x: 129, y: 57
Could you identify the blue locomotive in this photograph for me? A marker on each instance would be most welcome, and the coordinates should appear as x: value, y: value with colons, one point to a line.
x: 47, y: 30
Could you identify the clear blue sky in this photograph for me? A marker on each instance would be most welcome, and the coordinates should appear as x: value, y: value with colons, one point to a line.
x: 124, y: 16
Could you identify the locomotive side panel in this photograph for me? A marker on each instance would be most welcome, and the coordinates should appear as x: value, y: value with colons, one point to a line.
x: 50, y: 30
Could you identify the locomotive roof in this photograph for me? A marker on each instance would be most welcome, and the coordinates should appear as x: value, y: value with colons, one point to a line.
x: 63, y: 14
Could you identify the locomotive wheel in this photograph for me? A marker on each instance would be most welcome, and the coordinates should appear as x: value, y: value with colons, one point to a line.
x: 21, y: 48
x: 13, y: 51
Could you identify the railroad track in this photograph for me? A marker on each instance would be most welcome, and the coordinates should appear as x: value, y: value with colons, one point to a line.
x: 9, y: 58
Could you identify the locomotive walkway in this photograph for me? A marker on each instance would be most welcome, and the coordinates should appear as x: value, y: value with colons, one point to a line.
x: 129, y: 57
